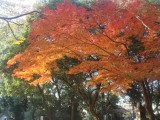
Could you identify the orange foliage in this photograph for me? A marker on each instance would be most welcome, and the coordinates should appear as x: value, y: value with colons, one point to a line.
x: 105, y: 31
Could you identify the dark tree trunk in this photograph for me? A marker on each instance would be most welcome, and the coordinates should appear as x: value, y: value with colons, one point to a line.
x: 142, y: 111
x: 48, y: 110
x: 93, y: 112
x: 90, y: 99
x: 147, y: 99
x: 55, y: 81
x: 72, y: 108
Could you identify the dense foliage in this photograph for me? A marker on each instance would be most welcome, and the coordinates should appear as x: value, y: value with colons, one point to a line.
x: 116, y: 44
x: 119, y: 51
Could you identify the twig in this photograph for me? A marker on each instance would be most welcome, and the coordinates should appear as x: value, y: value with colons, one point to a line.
x: 11, y: 30
x: 143, y: 23
x: 15, y: 23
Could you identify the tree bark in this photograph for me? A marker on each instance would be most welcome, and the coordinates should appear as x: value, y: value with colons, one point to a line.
x: 93, y: 112
x: 72, y: 108
x: 142, y: 111
x: 55, y: 81
x: 148, y: 103
x: 48, y: 111
x: 89, y: 98
x: 90, y: 102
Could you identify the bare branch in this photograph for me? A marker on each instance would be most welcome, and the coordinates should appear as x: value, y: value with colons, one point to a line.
x: 11, y: 30
x: 15, y: 23
x: 8, y: 20
x: 21, y: 15
x: 143, y: 23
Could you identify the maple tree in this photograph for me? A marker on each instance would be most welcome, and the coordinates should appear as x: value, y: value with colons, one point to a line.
x: 120, y: 42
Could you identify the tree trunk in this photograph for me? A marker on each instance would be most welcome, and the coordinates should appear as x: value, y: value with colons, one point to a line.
x: 148, y: 103
x: 93, y: 112
x: 72, y: 108
x: 90, y: 101
x: 48, y: 111
x: 142, y: 111
x: 59, y: 97
x: 90, y: 104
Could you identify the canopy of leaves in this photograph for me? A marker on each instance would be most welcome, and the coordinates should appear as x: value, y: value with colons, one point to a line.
x: 120, y: 42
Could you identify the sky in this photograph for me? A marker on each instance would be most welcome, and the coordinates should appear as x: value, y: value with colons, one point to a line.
x: 12, y: 7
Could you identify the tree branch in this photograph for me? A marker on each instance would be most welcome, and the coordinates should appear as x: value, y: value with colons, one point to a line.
x: 15, y: 23
x: 96, y: 94
x: 11, y: 30
x: 8, y: 20
x: 21, y: 15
